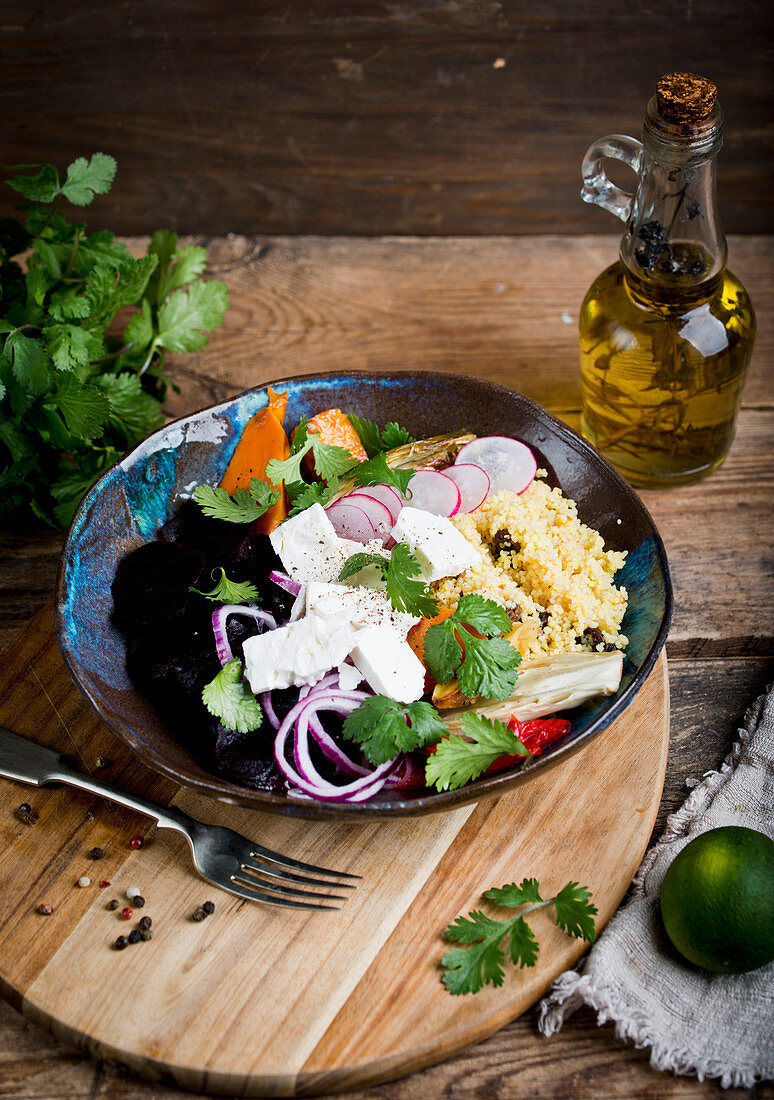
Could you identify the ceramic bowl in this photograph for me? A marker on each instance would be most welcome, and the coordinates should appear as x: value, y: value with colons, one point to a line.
x: 131, y: 500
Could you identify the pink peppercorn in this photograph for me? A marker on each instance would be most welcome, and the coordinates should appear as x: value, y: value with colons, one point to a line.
x: 135, y: 842
x: 127, y: 913
x: 104, y: 883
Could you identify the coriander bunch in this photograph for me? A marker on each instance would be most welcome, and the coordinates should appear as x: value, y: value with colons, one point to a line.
x: 76, y: 389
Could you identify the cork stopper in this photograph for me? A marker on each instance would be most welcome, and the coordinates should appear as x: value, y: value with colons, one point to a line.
x: 685, y: 97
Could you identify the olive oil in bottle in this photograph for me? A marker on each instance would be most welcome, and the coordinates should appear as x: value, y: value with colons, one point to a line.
x: 666, y: 332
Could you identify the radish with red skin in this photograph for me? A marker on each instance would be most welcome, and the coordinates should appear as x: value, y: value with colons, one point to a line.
x: 388, y: 496
x: 350, y: 522
x: 378, y: 513
x: 432, y: 491
x: 509, y: 464
x: 472, y: 482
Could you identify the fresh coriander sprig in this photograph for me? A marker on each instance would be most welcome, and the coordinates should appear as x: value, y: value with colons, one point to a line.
x: 468, y: 969
x: 329, y: 461
x: 383, y: 727
x: 228, y: 591
x: 399, y: 573
x: 459, y: 759
x: 377, y: 472
x: 242, y: 506
x: 303, y: 495
x: 376, y: 442
x: 74, y: 394
x: 487, y: 666
x: 228, y: 698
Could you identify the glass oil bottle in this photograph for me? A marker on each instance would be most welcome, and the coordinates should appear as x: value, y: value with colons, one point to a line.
x: 666, y: 332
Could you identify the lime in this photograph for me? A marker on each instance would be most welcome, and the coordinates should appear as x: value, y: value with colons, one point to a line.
x: 717, y: 900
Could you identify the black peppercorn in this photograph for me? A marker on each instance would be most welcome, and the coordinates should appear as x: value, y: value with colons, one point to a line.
x: 121, y: 943
x: 138, y: 901
x: 209, y: 907
x: 96, y: 853
x: 113, y: 903
x: 198, y: 915
x: 147, y: 934
x: 24, y: 810
x: 145, y: 922
x: 135, y: 936
x: 45, y: 910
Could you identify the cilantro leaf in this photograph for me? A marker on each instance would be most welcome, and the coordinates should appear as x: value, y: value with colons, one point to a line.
x: 133, y: 412
x: 404, y: 592
x: 42, y: 186
x: 188, y: 313
x: 303, y: 495
x: 489, y: 666
x: 228, y: 591
x: 84, y: 409
x: 70, y: 346
x: 459, y: 759
x: 382, y: 727
x: 87, y: 178
x: 377, y: 472
x: 242, y: 506
x: 31, y: 365
x: 329, y: 461
x: 357, y: 562
x: 229, y: 699
x: 468, y: 969
x: 376, y: 442
x: 575, y: 913
x: 487, y: 616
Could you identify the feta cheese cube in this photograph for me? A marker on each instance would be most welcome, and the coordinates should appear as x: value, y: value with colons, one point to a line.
x: 310, y: 549
x: 364, y: 606
x: 440, y: 549
x: 299, y: 653
x: 389, y: 664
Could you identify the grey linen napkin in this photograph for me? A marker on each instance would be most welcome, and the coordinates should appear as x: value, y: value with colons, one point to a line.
x: 694, y: 1022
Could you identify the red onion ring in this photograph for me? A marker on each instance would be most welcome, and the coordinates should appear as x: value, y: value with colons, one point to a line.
x: 219, y: 617
x: 286, y: 583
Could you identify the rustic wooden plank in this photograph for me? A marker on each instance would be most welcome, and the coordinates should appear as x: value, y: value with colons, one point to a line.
x: 410, y: 117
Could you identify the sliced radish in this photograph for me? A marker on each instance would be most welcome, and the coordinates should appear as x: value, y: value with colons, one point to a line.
x: 472, y: 482
x: 350, y: 522
x: 433, y: 492
x: 378, y: 513
x: 388, y: 496
x: 510, y: 464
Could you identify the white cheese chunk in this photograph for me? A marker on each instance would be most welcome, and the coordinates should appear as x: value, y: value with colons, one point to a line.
x: 364, y: 606
x: 349, y: 676
x: 310, y: 549
x: 389, y: 664
x: 440, y: 549
x: 299, y: 653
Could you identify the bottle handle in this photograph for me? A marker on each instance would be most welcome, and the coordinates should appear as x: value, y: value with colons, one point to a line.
x: 597, y: 188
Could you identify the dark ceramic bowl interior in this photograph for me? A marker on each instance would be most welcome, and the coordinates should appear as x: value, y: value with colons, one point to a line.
x: 130, y: 502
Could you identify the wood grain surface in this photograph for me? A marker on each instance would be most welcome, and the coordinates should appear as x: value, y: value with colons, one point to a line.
x: 298, y: 1002
x: 300, y: 306
x: 414, y: 116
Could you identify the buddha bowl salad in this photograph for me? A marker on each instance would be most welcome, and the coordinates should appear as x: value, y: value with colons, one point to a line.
x: 353, y: 611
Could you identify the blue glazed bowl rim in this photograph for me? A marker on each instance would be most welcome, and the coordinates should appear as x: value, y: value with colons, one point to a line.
x: 490, y: 786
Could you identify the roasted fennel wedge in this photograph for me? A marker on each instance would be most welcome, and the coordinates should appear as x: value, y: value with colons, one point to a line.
x: 548, y: 685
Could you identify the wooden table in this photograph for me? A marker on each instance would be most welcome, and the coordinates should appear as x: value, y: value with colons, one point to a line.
x: 504, y: 309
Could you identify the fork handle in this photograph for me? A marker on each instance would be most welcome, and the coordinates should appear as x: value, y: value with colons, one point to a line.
x: 29, y: 762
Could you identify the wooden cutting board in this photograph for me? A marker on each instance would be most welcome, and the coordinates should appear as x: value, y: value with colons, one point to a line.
x: 263, y: 1001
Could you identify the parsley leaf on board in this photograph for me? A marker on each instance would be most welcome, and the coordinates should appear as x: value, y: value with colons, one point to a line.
x: 383, y: 727
x: 460, y: 758
x: 242, y: 506
x: 228, y: 591
x: 376, y: 442
x: 399, y: 571
x: 376, y: 471
x: 489, y: 666
x: 468, y: 969
x: 75, y: 393
x: 228, y: 698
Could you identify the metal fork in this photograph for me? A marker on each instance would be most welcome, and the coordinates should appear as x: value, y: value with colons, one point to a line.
x: 227, y: 859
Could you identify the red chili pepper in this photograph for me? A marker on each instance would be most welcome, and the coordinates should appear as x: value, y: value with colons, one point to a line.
x: 539, y: 733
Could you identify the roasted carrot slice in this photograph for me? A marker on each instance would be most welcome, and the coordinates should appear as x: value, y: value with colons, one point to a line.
x: 335, y: 428
x: 263, y: 438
